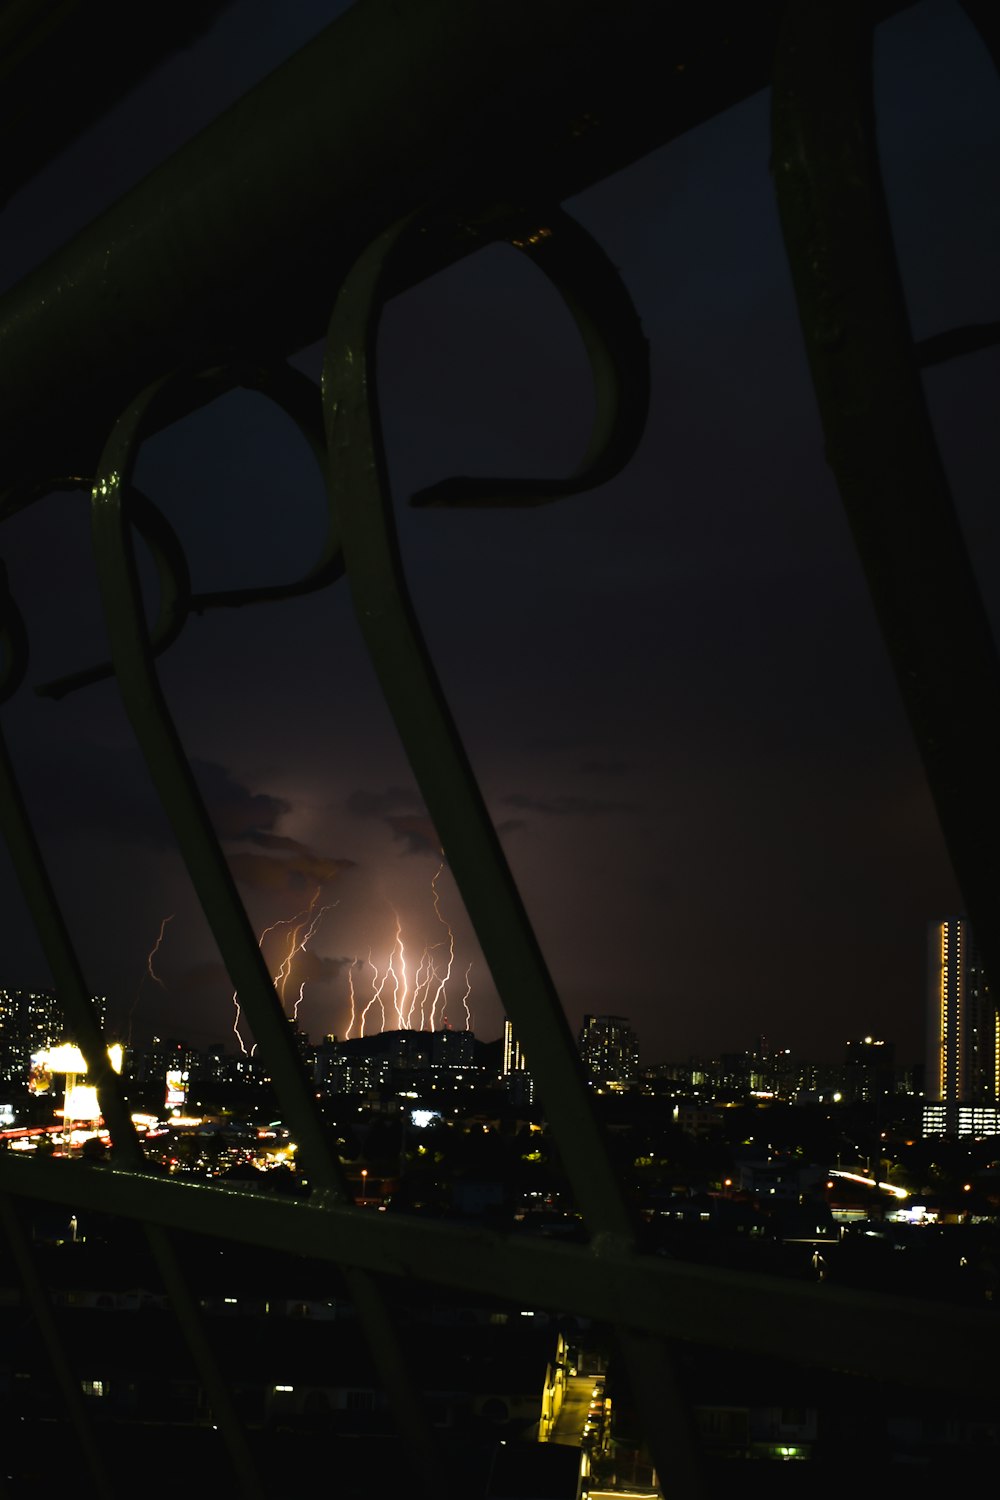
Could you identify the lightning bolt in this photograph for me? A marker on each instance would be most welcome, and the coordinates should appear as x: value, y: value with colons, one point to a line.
x: 236, y: 1025
x: 399, y: 981
x: 282, y: 922
x: 440, y: 994
x: 465, y: 999
x: 304, y: 925
x: 298, y: 945
x: 150, y: 972
x: 298, y: 1002
x: 422, y: 1006
x: 155, y: 950
x: 415, y: 995
x: 376, y: 993
x: 422, y: 980
x: 350, y: 991
x: 296, y: 923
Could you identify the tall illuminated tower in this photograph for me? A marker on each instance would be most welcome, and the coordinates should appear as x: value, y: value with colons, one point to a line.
x: 516, y: 1078
x: 963, y: 1037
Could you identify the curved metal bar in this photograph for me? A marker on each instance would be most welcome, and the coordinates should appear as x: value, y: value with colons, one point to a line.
x: 210, y: 875
x: 67, y: 973
x: 879, y: 437
x: 956, y: 342
x: 172, y: 571
x: 175, y: 594
x: 66, y: 1378
x: 359, y: 486
x: 609, y: 325
x: 298, y: 397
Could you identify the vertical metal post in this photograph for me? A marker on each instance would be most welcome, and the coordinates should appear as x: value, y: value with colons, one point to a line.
x: 879, y: 439
x: 71, y: 988
x: 172, y: 776
x: 65, y: 1376
x: 360, y: 488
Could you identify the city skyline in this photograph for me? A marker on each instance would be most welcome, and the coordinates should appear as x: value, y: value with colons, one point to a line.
x: 608, y: 1041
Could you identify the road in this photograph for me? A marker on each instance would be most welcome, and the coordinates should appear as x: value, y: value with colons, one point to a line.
x: 568, y: 1427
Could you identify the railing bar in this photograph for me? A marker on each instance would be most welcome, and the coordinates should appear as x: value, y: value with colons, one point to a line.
x: 177, y: 1286
x: 247, y: 223
x: 174, y: 781
x: 360, y: 488
x: 920, y: 1344
x: 57, y: 945
x: 359, y: 485
x: 67, y: 1380
x: 880, y: 441
x: 71, y: 988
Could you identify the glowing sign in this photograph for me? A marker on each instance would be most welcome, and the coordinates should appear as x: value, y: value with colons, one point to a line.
x: 67, y: 1058
x: 64, y: 1059
x: 177, y: 1081
x: 39, y: 1079
x: 81, y: 1104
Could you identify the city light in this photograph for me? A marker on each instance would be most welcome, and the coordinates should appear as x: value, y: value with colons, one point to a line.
x: 886, y: 1187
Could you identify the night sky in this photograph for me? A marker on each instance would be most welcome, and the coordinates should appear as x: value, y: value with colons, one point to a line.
x: 672, y: 689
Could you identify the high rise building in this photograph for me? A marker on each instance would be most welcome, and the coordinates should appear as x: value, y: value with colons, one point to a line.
x: 610, y: 1050
x: 513, y: 1057
x: 963, y: 1037
x: 869, y: 1069
x: 31, y: 1021
x: 516, y: 1078
x: 452, y: 1051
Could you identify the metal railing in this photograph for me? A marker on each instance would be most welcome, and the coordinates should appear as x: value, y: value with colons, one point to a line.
x: 881, y: 447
